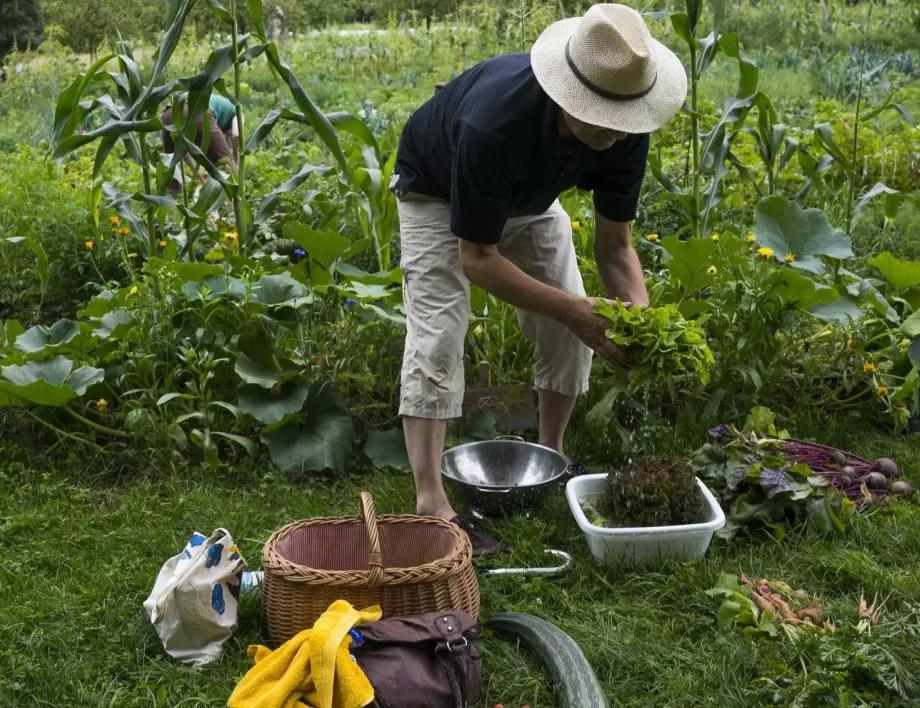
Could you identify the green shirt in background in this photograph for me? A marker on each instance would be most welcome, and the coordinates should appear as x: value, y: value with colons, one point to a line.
x: 223, y: 110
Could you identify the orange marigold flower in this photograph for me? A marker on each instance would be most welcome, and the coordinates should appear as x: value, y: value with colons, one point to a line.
x: 89, y: 244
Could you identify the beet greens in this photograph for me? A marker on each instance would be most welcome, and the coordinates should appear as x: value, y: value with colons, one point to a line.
x: 765, y: 485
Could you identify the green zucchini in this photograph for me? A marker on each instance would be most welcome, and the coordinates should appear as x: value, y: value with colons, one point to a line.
x: 573, y: 678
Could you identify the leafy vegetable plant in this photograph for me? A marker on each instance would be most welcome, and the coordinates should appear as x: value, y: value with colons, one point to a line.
x: 655, y: 491
x: 664, y: 345
x: 761, y: 487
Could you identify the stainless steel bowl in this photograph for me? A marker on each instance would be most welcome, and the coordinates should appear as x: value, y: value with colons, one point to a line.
x: 502, y: 476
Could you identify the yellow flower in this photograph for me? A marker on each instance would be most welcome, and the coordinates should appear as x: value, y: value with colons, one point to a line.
x: 714, y: 236
x: 124, y: 231
x: 163, y: 244
x: 113, y: 219
x: 765, y: 252
x: 101, y: 405
x: 881, y: 391
x: 232, y: 236
x: 88, y: 244
x: 869, y: 367
x: 900, y: 404
x: 576, y: 224
x: 751, y: 238
x: 712, y: 270
x: 789, y: 257
x: 133, y: 290
x: 652, y: 237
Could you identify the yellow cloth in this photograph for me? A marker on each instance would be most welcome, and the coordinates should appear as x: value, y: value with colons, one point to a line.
x: 311, y: 669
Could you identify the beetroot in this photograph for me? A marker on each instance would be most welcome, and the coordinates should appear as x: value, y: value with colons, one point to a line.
x: 886, y: 467
x: 902, y: 488
x: 876, y: 480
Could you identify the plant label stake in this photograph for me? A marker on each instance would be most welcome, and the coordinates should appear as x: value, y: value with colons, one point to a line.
x: 512, y: 407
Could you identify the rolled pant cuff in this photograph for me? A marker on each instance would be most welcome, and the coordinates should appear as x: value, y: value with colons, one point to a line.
x: 564, y: 387
x: 435, y: 411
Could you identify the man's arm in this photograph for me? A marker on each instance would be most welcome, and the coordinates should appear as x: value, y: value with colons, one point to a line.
x: 235, y: 139
x: 486, y: 267
x: 190, y: 161
x: 617, y: 261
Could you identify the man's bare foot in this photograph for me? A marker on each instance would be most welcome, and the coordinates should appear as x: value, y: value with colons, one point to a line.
x: 441, y: 511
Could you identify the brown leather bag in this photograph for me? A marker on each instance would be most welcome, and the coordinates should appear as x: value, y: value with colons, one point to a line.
x: 422, y: 661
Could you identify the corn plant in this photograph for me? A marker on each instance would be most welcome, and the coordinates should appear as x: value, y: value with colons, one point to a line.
x: 707, y: 153
x: 136, y: 113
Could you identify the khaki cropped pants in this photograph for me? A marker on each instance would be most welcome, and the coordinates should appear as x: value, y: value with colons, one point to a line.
x: 437, y: 301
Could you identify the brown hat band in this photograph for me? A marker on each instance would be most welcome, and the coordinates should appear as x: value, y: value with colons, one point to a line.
x: 603, y: 92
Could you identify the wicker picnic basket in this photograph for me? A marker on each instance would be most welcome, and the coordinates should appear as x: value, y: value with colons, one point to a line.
x: 406, y: 564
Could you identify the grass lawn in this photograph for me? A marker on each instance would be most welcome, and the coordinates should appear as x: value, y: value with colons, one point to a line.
x: 81, y: 544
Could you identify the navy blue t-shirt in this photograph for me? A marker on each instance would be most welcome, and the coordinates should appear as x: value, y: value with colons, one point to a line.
x: 489, y: 144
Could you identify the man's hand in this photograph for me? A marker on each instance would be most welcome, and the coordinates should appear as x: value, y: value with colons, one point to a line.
x: 590, y: 328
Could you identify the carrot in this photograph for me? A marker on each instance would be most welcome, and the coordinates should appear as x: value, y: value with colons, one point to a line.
x: 763, y: 603
x: 784, y: 608
x: 813, y: 614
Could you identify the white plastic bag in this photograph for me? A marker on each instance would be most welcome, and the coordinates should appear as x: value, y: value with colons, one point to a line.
x: 193, y: 605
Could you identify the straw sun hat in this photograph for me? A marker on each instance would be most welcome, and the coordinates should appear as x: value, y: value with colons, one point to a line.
x: 605, y: 69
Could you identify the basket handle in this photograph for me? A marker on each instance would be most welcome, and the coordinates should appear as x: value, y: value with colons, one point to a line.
x: 374, y: 557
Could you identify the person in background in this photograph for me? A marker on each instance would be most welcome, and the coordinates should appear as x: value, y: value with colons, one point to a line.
x: 478, y: 173
x: 224, y: 143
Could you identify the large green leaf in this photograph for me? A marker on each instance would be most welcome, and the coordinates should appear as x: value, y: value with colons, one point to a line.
x: 749, y: 72
x: 215, y: 287
x: 350, y: 123
x: 324, y: 246
x: 913, y: 352
x: 255, y: 16
x: 182, y: 271
x: 272, y: 405
x: 793, y: 287
x: 911, y: 326
x: 901, y: 275
x: 114, y: 324
x: 864, y: 289
x: 906, y: 390
x: 49, y: 383
x: 38, y: 338
x: 322, y: 439
x: 782, y: 225
x: 281, y: 291
x: 256, y: 372
x: 387, y: 448
x: 843, y: 308
x: 690, y: 260
x: 68, y: 113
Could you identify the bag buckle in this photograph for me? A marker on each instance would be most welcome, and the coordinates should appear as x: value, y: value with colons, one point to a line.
x: 451, y: 646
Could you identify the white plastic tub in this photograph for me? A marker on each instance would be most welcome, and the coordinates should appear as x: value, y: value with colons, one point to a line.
x: 684, y: 542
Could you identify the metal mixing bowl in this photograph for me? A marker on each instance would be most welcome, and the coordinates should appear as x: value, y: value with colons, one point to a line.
x: 502, y: 476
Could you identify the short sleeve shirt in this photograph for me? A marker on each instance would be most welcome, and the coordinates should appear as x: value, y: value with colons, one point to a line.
x: 489, y: 144
x: 223, y: 111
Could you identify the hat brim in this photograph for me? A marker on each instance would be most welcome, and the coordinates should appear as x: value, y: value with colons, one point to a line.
x: 636, y: 115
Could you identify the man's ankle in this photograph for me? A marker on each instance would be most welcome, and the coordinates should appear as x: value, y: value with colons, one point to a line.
x: 441, y: 509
